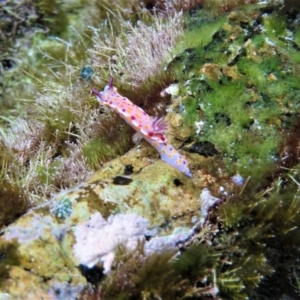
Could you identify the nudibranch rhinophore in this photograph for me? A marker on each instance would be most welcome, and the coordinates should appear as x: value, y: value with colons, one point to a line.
x: 151, y: 129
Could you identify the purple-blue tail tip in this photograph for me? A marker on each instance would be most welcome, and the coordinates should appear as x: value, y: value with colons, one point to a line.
x: 95, y: 92
x: 111, y: 82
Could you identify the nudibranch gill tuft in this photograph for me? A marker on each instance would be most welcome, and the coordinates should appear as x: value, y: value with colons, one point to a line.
x: 151, y: 129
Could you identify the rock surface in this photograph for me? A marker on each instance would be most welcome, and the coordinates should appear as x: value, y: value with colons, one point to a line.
x: 83, y: 226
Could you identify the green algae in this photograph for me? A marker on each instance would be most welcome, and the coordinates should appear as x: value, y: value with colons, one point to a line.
x: 200, y: 31
x: 261, y: 239
x: 250, y: 103
x: 248, y: 114
x: 95, y: 151
x: 275, y: 25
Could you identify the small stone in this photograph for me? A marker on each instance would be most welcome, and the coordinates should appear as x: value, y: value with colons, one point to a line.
x: 237, y: 179
x: 87, y: 73
x: 203, y: 148
x: 121, y: 180
x: 272, y: 77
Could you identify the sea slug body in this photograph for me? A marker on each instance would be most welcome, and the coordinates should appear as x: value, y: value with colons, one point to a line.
x: 154, y: 128
x: 171, y: 156
x: 151, y: 129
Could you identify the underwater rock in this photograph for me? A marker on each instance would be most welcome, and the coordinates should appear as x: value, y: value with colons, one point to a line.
x: 49, y: 246
x: 203, y: 148
x: 41, y: 263
x: 86, y: 73
x: 121, y: 180
x: 83, y: 226
x: 169, y: 242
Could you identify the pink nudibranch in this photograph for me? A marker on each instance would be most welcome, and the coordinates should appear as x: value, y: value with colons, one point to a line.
x: 152, y: 129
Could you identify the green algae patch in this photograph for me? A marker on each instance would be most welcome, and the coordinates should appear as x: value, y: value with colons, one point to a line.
x: 241, y: 93
x: 200, y: 31
x: 95, y: 150
x: 241, y: 84
x: 257, y: 242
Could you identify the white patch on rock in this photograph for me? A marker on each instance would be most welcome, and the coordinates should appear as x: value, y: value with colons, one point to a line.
x: 172, y: 89
x: 207, y: 201
x: 168, y: 242
x: 199, y: 126
x: 97, y: 239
